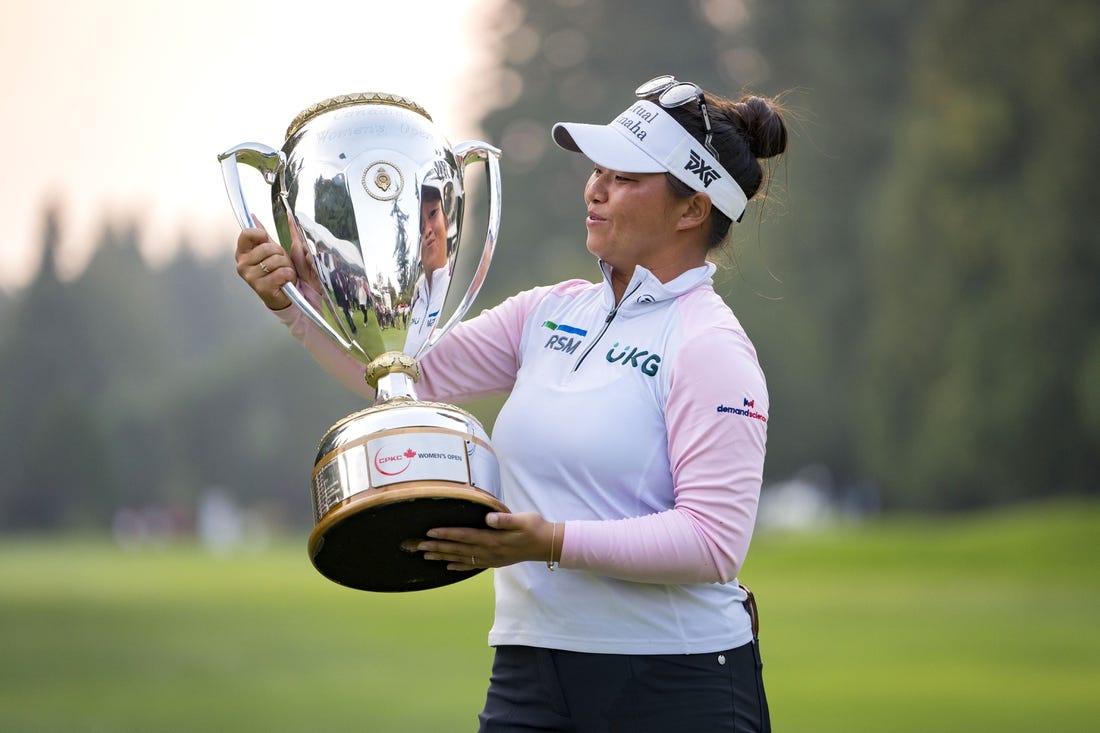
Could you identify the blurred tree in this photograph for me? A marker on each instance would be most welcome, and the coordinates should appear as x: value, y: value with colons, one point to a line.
x: 37, y: 367
x: 66, y: 479
x: 985, y: 321
x: 139, y: 387
x: 800, y: 283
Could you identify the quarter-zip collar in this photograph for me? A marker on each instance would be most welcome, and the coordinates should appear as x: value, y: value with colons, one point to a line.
x: 642, y: 292
x: 644, y: 288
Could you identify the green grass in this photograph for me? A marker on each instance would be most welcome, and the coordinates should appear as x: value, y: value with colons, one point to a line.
x: 981, y: 623
x: 973, y: 623
x: 97, y: 639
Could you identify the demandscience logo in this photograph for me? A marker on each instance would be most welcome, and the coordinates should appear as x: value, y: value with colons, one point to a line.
x: 747, y: 409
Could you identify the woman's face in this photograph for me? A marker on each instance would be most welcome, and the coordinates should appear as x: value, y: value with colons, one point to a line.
x: 433, y: 234
x: 631, y: 219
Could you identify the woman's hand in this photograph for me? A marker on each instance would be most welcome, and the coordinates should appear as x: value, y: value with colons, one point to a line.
x: 511, y: 538
x: 265, y: 266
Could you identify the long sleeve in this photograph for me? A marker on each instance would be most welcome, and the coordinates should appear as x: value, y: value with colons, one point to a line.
x: 716, y: 444
x: 479, y: 357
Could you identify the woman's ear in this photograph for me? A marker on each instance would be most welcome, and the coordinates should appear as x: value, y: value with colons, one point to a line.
x: 695, y: 212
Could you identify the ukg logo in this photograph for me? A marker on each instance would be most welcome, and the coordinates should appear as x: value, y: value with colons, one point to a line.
x: 631, y: 356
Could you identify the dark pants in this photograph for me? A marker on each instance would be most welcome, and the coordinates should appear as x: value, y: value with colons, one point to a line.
x: 551, y: 690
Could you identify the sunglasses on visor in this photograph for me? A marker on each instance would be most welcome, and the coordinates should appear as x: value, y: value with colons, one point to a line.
x: 673, y: 93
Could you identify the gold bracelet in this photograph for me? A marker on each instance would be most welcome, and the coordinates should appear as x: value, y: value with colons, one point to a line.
x: 550, y: 564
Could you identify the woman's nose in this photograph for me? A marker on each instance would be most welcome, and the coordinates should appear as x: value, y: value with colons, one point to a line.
x: 594, y: 190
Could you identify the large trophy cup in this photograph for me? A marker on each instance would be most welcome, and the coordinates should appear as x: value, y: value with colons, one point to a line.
x: 373, y: 194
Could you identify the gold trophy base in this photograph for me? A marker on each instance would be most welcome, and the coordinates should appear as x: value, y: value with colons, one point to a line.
x: 358, y: 542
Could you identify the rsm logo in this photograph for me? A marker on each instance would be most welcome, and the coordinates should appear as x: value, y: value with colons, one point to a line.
x: 568, y: 344
x: 563, y: 338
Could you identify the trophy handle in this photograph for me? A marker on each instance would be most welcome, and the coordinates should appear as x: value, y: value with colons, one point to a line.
x: 269, y: 162
x: 466, y: 153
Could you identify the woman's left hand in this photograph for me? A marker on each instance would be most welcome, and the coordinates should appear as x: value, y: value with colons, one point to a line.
x: 511, y: 538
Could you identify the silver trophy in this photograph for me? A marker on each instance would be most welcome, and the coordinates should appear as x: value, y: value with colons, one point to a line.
x: 370, y: 191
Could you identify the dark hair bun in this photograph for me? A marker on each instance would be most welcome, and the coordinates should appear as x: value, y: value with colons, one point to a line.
x: 762, y: 125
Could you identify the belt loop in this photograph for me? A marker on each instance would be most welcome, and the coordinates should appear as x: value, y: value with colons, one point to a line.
x: 750, y: 605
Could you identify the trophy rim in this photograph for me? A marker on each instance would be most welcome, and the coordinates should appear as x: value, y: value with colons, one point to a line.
x: 349, y: 100
x: 409, y: 491
x: 369, y: 518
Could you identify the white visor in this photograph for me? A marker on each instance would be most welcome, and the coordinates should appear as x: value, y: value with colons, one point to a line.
x: 646, y: 139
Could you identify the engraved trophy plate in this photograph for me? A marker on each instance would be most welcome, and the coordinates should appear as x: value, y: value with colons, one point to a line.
x: 372, y: 194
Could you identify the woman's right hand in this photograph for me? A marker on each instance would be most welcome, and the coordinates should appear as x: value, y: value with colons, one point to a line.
x: 265, y: 266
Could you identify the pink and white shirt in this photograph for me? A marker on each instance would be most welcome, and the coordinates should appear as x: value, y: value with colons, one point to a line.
x: 642, y: 427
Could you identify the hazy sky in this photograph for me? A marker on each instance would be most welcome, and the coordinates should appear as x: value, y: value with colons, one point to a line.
x: 120, y: 107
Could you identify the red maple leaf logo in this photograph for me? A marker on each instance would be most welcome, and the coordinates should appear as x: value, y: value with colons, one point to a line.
x: 410, y: 453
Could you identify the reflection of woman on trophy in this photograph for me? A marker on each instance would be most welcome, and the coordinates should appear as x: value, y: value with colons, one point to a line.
x: 431, y: 286
x: 362, y: 297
